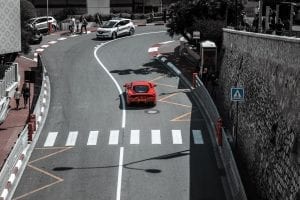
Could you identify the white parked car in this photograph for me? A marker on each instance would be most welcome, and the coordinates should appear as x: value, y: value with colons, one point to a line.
x: 41, y: 23
x: 115, y: 28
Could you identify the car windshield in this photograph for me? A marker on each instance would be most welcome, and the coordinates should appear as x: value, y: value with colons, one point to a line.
x: 109, y: 24
x: 141, y: 88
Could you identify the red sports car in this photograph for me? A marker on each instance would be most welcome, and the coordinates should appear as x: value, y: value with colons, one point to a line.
x: 140, y: 92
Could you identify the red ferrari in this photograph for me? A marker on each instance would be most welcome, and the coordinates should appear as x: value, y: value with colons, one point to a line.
x: 140, y: 92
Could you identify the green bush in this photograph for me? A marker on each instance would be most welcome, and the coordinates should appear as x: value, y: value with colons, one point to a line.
x: 140, y: 16
x: 65, y: 13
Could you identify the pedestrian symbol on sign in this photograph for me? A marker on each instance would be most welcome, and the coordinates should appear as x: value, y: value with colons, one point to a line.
x: 237, y: 94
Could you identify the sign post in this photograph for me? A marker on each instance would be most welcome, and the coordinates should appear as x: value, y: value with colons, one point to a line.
x: 237, y: 94
x: 196, y: 36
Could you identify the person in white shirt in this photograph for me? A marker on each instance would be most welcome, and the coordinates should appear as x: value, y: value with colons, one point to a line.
x: 17, y: 97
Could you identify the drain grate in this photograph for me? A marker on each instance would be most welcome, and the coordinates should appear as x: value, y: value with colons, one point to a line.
x: 152, y: 111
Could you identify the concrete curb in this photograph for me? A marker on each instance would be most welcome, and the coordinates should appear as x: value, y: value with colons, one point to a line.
x: 154, y: 24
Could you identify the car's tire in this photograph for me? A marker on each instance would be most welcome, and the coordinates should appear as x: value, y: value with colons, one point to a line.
x: 114, y: 35
x: 131, y: 31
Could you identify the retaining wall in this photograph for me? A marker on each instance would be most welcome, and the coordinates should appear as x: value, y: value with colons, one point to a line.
x: 268, y: 67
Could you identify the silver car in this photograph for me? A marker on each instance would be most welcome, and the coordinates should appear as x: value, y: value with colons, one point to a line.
x: 115, y: 28
x: 41, y: 23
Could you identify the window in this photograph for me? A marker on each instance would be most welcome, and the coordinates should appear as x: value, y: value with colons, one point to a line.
x: 141, y: 88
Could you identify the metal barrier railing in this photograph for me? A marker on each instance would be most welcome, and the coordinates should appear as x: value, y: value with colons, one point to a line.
x: 22, y: 142
x: 206, y: 103
x: 10, y: 76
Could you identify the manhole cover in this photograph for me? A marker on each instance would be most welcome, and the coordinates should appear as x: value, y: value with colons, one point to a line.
x: 151, y: 111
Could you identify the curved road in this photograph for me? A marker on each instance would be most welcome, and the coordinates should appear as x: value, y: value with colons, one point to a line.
x: 94, y: 147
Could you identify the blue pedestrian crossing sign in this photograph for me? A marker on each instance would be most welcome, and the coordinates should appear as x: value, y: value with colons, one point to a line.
x: 237, y: 94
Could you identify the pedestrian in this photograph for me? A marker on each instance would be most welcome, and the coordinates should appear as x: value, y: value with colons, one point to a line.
x: 84, y: 24
x: 255, y: 23
x: 26, y: 93
x: 17, y: 97
x: 99, y: 19
x: 279, y: 27
x: 71, y: 25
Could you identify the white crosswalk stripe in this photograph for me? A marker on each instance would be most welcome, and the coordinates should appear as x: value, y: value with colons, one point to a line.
x: 50, y: 140
x: 113, y: 137
x: 93, y: 137
x: 135, y: 137
x: 155, y: 137
x: 176, y: 135
x: 197, y: 135
x: 71, y: 140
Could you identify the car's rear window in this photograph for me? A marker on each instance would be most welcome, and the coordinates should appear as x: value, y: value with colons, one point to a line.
x: 141, y: 88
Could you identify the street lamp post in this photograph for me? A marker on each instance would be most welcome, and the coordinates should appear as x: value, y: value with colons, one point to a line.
x: 47, y: 17
x: 161, y: 6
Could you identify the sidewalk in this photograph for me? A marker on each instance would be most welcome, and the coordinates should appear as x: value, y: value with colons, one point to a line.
x: 16, y: 119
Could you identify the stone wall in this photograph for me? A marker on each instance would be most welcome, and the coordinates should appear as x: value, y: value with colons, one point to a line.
x: 268, y: 67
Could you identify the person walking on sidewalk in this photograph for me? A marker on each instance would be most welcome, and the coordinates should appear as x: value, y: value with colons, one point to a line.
x: 26, y: 93
x: 17, y: 97
x: 84, y: 24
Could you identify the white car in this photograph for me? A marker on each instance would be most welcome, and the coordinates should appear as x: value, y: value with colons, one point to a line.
x: 41, y: 23
x: 115, y: 28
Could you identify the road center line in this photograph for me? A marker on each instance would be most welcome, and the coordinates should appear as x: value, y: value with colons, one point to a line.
x: 119, y: 184
x: 120, y: 170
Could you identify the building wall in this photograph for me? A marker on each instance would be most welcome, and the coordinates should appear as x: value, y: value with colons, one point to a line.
x: 10, y: 34
x: 268, y: 67
x: 100, y: 6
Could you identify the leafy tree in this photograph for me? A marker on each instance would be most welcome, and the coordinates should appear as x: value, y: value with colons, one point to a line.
x: 27, y: 11
x: 208, y: 17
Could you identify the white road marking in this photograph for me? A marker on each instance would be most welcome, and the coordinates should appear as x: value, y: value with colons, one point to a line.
x: 152, y: 49
x: 39, y: 50
x: 93, y: 137
x: 28, y: 58
x: 73, y: 35
x: 167, y: 42
x: 135, y: 137
x: 176, y: 135
x: 197, y: 135
x: 52, y: 42
x: 115, y: 82
x: 62, y: 38
x: 45, y: 46
x: 155, y: 137
x: 120, y: 170
x: 50, y: 139
x: 71, y: 140
x: 113, y: 137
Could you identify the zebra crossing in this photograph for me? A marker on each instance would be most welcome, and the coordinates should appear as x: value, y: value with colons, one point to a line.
x: 155, y: 136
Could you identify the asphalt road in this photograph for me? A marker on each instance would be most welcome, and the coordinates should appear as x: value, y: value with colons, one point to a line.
x: 94, y: 147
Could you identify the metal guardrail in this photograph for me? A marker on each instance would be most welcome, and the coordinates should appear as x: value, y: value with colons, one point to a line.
x: 10, y: 76
x: 205, y: 102
x: 22, y: 141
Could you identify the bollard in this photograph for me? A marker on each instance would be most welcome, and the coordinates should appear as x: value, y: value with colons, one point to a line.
x: 219, y: 131
x: 32, y: 118
x: 49, y: 27
x: 194, y: 79
x: 30, y: 131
